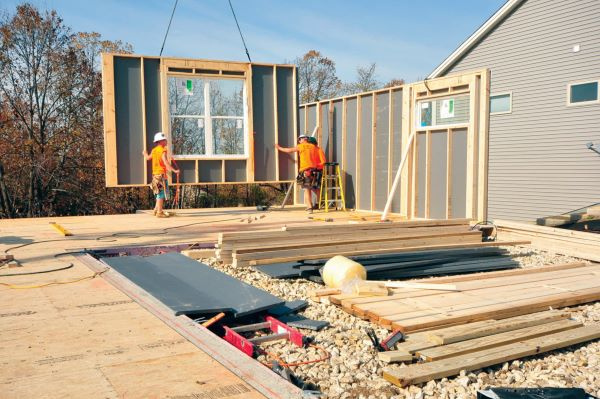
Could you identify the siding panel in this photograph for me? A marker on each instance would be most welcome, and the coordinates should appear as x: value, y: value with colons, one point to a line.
x: 538, y: 162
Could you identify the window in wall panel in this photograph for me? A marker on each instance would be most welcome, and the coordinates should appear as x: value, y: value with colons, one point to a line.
x: 447, y: 111
x: 208, y: 116
x: 583, y: 92
x: 501, y: 103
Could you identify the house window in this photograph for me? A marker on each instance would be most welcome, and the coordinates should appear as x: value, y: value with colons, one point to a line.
x: 583, y: 93
x: 207, y: 116
x: 501, y: 103
x: 442, y: 112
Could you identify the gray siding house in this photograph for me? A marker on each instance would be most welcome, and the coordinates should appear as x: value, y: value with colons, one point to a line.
x: 544, y: 57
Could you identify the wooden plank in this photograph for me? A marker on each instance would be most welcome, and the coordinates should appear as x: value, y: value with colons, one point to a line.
x: 547, y: 230
x: 110, y: 124
x: 511, y: 308
x: 250, y: 136
x: 449, y: 175
x: 490, y: 341
x: 419, y: 247
x: 144, y: 133
x: 275, y: 121
x: 415, y: 374
x: 373, y: 149
x: 484, y: 115
x: 395, y: 356
x: 391, y: 140
x: 482, y: 288
x: 427, y: 174
x: 357, y: 204
x: 406, y: 200
x: 358, y: 244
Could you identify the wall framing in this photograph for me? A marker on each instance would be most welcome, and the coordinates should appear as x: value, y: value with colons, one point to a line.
x: 134, y: 98
x: 458, y: 175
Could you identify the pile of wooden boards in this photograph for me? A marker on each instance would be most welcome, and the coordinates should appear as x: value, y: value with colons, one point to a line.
x: 491, y: 320
x: 498, y: 294
x: 584, y: 245
x: 445, y: 352
x: 317, y: 241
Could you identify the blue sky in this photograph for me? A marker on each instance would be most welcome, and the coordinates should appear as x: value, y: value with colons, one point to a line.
x: 407, y: 39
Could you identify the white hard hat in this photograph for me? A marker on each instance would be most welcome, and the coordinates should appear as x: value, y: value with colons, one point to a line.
x: 159, y: 136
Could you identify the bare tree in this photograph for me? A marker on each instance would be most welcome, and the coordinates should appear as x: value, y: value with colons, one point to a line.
x: 365, y: 80
x: 51, y: 137
x: 394, y: 82
x: 317, y: 77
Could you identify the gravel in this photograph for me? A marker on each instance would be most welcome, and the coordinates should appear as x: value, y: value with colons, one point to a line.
x: 354, y: 371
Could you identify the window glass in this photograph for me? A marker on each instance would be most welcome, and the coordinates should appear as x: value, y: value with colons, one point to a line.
x: 443, y: 111
x: 207, y: 116
x: 186, y: 96
x: 226, y: 97
x: 426, y: 117
x: 228, y: 136
x: 583, y: 92
x: 188, y: 135
x: 500, y: 103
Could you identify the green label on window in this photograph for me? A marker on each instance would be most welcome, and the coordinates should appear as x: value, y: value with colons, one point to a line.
x: 188, y: 86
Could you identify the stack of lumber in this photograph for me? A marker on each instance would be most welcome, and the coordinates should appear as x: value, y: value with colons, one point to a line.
x: 319, y: 241
x: 405, y: 265
x: 500, y: 294
x: 567, y: 242
x: 445, y: 352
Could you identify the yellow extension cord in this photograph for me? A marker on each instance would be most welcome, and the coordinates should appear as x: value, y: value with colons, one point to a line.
x: 26, y: 287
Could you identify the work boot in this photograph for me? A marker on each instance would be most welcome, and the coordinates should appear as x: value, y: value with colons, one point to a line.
x: 162, y: 215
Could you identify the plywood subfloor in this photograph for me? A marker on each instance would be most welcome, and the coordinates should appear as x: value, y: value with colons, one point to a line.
x: 88, y: 339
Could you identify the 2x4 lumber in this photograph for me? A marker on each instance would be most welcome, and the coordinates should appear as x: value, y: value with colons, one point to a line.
x: 450, y: 335
x: 320, y: 228
x: 373, y: 149
x: 490, y: 341
x: 449, y: 174
x: 406, y: 129
x: 507, y: 309
x: 502, y: 292
x: 324, y: 240
x: 250, y: 135
x: 519, y: 226
x: 488, y: 293
x: 295, y: 231
x: 558, y: 245
x: 417, y: 373
x: 110, y: 124
x: 395, y: 356
x: 484, y: 119
x: 423, y: 247
x: 359, y: 245
x: 275, y: 120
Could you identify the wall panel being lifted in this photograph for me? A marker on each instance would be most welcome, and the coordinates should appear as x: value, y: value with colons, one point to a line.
x: 228, y: 139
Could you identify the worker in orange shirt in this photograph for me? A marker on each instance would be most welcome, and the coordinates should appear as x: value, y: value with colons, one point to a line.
x: 160, y: 165
x: 307, y: 167
x: 319, y: 160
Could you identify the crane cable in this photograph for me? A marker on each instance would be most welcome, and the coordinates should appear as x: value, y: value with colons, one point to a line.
x: 168, y: 27
x: 239, y: 30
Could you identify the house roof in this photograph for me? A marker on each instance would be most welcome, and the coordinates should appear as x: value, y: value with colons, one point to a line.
x: 490, y: 24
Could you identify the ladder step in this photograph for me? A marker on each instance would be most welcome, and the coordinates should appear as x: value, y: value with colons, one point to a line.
x: 267, y: 338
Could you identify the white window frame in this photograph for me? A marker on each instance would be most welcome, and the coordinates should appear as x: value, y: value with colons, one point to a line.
x: 433, y: 115
x: 208, y: 132
x: 510, y: 96
x: 580, y: 103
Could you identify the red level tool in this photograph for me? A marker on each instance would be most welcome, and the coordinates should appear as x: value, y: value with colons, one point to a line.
x: 248, y: 345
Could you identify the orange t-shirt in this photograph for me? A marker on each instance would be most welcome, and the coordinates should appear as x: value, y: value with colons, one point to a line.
x: 306, y: 156
x: 320, y: 158
x: 158, y: 166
